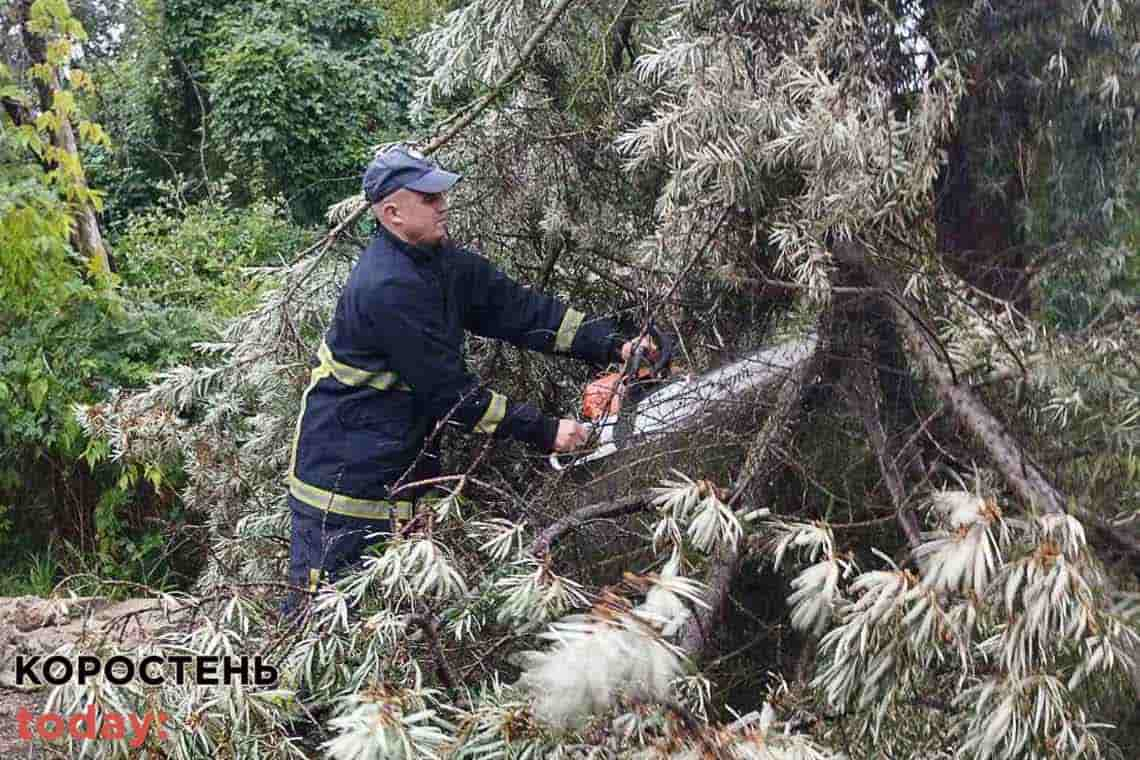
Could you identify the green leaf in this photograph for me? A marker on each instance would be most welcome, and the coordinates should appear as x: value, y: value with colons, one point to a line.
x: 154, y: 475
x: 37, y: 392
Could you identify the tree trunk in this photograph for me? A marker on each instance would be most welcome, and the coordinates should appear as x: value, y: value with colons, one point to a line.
x: 85, y: 234
x: 1012, y: 461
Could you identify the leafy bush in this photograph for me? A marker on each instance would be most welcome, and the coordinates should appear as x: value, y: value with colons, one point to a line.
x: 286, y: 97
x: 52, y: 360
x: 297, y: 118
x: 182, y: 272
x: 197, y: 256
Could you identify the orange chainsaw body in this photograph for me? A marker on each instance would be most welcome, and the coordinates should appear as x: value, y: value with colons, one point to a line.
x: 603, y: 395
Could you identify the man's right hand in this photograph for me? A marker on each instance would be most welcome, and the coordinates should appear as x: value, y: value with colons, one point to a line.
x: 571, y: 435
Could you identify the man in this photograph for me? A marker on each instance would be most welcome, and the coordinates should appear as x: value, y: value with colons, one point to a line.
x: 391, y: 367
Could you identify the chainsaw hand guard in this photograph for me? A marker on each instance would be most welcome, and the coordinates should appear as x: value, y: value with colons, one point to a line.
x: 665, y: 347
x: 605, y: 395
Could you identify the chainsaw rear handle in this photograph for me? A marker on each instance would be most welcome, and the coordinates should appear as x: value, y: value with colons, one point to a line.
x: 659, y: 370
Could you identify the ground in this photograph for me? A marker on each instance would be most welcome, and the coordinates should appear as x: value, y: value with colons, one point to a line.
x: 30, y: 625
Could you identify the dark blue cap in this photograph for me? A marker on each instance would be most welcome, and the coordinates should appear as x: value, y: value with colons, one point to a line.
x: 402, y: 167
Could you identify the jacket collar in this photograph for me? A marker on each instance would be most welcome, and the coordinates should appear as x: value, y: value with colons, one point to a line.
x: 418, y: 253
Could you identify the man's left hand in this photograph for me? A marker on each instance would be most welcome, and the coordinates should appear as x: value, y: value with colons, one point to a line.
x: 648, y: 346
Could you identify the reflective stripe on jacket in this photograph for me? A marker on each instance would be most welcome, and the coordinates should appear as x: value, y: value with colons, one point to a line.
x: 391, y: 366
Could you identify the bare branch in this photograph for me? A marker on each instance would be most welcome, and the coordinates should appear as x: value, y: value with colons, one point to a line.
x: 430, y: 626
x: 1015, y: 465
x: 864, y: 395
x: 578, y: 517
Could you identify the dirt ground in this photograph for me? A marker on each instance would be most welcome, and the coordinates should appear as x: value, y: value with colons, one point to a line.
x: 30, y: 625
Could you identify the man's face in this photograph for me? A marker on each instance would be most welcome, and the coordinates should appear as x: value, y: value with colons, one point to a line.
x: 418, y: 218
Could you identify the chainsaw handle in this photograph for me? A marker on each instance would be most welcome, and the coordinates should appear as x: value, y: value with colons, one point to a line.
x: 659, y: 368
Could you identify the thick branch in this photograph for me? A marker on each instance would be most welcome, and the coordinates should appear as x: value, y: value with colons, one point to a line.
x: 578, y: 517
x: 430, y: 626
x: 698, y: 631
x: 1019, y: 471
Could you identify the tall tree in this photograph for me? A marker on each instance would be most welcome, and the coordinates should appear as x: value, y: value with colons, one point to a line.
x: 48, y: 31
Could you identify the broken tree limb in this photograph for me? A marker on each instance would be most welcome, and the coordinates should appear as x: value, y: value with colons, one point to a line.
x: 578, y: 517
x: 864, y: 396
x: 752, y: 487
x: 1020, y: 472
x: 1015, y: 465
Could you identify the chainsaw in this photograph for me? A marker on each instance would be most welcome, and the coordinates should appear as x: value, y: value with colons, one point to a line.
x: 645, y: 400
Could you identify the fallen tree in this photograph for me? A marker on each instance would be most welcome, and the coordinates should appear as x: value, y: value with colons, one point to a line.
x: 739, y: 185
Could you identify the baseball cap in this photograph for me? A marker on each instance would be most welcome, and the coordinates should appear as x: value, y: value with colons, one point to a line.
x: 402, y: 167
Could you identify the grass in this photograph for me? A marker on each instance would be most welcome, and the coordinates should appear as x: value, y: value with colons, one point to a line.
x: 35, y: 574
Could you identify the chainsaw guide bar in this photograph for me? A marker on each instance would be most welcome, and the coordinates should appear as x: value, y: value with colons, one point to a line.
x: 681, y: 403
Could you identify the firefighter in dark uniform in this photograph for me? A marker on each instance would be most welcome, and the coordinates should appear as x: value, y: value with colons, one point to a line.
x: 391, y: 367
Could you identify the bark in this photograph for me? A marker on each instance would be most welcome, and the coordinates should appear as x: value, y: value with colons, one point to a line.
x: 1015, y: 465
x: 578, y: 517
x: 85, y: 235
x: 752, y: 488
x: 1022, y: 475
x: 429, y: 624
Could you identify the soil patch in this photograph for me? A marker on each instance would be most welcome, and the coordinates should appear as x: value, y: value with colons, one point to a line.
x: 31, y: 625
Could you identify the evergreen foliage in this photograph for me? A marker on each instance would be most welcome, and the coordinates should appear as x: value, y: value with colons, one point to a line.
x: 927, y: 529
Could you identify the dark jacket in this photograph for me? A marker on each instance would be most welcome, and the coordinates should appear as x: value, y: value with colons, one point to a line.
x: 391, y: 366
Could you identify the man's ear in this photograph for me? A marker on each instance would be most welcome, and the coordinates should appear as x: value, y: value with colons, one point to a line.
x: 388, y: 211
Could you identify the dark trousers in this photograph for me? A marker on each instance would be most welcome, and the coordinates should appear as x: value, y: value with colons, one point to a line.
x: 324, y: 547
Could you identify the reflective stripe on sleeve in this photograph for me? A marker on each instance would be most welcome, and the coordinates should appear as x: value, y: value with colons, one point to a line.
x: 496, y: 411
x: 567, y: 330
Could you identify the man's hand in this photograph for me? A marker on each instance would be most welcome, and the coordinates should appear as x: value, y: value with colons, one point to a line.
x: 649, y: 348
x: 571, y: 435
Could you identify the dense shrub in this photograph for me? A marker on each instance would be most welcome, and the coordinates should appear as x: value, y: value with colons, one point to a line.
x: 199, y: 256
